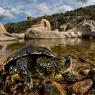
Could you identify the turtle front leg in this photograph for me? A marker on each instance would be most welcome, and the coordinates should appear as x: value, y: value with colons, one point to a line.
x: 70, y: 76
x: 22, y: 67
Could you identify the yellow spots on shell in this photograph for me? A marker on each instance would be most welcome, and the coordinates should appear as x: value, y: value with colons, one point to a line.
x: 57, y: 77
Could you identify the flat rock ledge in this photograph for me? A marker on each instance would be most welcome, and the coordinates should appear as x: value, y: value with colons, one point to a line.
x: 51, y: 34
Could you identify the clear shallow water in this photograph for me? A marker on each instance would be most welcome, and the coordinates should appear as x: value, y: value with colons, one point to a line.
x: 75, y: 47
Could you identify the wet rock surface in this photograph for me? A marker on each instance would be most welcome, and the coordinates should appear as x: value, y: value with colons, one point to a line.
x: 82, y: 86
x: 53, y: 88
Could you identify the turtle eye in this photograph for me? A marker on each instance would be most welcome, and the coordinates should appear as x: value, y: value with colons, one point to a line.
x: 61, y: 62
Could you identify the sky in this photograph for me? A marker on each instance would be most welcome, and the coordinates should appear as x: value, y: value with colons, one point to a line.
x: 18, y: 10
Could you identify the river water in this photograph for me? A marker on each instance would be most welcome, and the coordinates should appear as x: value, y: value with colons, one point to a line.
x: 77, y: 48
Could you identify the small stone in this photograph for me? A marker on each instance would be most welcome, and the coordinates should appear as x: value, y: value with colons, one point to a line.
x: 73, y: 94
x: 82, y: 87
x: 52, y: 88
x: 91, y: 74
x: 86, y: 71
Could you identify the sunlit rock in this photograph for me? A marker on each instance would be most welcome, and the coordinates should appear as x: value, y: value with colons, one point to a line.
x: 53, y: 88
x: 42, y: 26
x: 4, y: 35
x: 2, y: 28
x: 82, y: 86
x: 85, y: 28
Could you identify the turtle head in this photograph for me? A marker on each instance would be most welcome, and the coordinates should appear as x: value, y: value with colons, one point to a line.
x: 67, y: 72
x: 48, y: 53
x: 68, y: 59
x: 65, y: 64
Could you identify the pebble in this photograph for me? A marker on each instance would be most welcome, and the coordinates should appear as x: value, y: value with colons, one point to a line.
x: 86, y: 71
x: 82, y: 87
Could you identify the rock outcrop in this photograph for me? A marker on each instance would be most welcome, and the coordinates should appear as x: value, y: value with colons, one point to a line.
x: 82, y: 87
x: 43, y: 30
x: 18, y: 36
x: 46, y: 34
x: 86, y: 28
x: 42, y: 26
x: 2, y: 28
x: 71, y: 21
x: 4, y: 35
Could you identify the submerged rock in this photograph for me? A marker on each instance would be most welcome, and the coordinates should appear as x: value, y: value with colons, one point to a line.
x: 82, y: 87
x: 52, y: 88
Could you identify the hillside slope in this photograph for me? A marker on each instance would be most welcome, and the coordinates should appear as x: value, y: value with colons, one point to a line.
x: 56, y: 20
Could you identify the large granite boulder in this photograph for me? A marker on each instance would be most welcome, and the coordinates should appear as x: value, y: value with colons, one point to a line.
x: 42, y: 26
x: 53, y: 34
x: 18, y: 35
x: 2, y: 28
x: 86, y: 28
x: 43, y: 30
x: 4, y: 35
x: 46, y: 34
x: 71, y: 22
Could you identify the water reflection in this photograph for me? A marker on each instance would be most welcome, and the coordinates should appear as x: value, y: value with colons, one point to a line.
x: 60, y: 44
x: 49, y: 43
x: 4, y: 50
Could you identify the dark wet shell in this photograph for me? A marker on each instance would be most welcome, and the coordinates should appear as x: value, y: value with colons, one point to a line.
x: 26, y: 51
x: 29, y: 50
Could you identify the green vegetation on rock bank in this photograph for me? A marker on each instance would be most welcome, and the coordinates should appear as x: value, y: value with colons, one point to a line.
x: 56, y: 20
